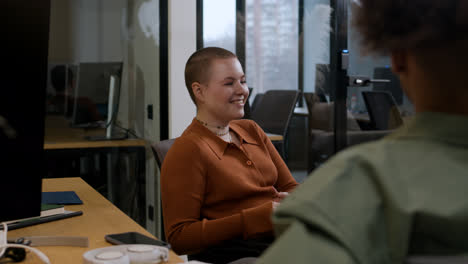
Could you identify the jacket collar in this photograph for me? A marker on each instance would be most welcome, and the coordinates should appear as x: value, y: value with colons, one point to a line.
x: 216, y: 144
x: 437, y: 126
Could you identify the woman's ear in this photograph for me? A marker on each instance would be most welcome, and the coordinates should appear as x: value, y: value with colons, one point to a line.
x: 401, y: 68
x: 399, y: 62
x: 197, y: 90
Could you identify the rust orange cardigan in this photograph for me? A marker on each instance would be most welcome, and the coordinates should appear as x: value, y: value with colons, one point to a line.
x: 214, y: 191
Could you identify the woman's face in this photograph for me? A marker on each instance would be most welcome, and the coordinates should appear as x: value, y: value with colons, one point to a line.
x: 225, y: 91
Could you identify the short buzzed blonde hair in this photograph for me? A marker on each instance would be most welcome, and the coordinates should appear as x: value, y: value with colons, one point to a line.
x: 198, y: 65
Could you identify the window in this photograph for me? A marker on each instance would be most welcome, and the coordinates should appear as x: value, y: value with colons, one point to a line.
x: 272, y: 42
x: 316, y: 43
x: 219, y: 24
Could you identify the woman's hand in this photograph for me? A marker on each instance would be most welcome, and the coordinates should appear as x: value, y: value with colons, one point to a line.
x: 280, y: 196
x: 275, y: 205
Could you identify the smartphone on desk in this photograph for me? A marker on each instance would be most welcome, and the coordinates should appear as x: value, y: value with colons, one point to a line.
x: 134, y: 238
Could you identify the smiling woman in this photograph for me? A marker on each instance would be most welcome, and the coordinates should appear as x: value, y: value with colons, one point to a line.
x: 221, y: 179
x: 221, y: 99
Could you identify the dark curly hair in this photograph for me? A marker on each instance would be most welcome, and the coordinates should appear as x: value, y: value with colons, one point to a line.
x: 387, y: 25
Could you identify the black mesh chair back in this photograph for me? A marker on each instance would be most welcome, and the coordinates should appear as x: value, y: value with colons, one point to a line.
x: 273, y: 112
x: 247, y: 108
x: 383, y: 111
x: 160, y: 150
x: 393, y: 87
x: 257, y: 99
x: 311, y: 99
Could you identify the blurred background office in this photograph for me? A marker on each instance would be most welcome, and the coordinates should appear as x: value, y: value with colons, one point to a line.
x: 306, y: 46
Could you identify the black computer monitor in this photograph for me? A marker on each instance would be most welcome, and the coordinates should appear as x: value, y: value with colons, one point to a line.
x: 61, y: 82
x: 393, y: 87
x: 23, y: 50
x: 93, y: 92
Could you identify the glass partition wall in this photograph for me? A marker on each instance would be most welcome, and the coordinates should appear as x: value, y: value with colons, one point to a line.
x: 311, y: 46
x: 111, y: 49
x: 359, y: 93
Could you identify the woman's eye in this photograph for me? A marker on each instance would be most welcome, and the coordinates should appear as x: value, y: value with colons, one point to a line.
x: 244, y: 81
x: 229, y: 83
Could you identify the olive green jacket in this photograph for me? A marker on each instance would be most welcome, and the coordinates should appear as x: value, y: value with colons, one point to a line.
x: 379, y: 202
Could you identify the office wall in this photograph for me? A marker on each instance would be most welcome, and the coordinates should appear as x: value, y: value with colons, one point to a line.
x: 182, y: 43
x: 62, y: 38
x: 90, y: 31
x: 85, y: 30
x: 143, y: 53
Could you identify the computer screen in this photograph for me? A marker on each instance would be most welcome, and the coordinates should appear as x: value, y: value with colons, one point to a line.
x: 61, y: 82
x: 22, y: 106
x: 393, y: 87
x: 91, y: 95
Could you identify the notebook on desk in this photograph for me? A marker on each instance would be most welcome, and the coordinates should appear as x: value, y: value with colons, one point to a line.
x: 68, y: 197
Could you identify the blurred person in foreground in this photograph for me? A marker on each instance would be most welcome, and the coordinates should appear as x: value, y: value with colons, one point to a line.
x: 404, y: 195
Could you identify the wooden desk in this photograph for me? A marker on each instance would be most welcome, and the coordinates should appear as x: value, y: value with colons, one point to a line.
x: 274, y: 137
x: 363, y: 117
x: 301, y: 111
x: 65, y: 145
x: 100, y: 217
x: 59, y: 135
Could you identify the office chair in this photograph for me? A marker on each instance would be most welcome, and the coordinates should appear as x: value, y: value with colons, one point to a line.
x: 383, y: 110
x: 247, y: 108
x: 160, y: 150
x: 257, y: 99
x: 273, y: 114
x: 393, y: 87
